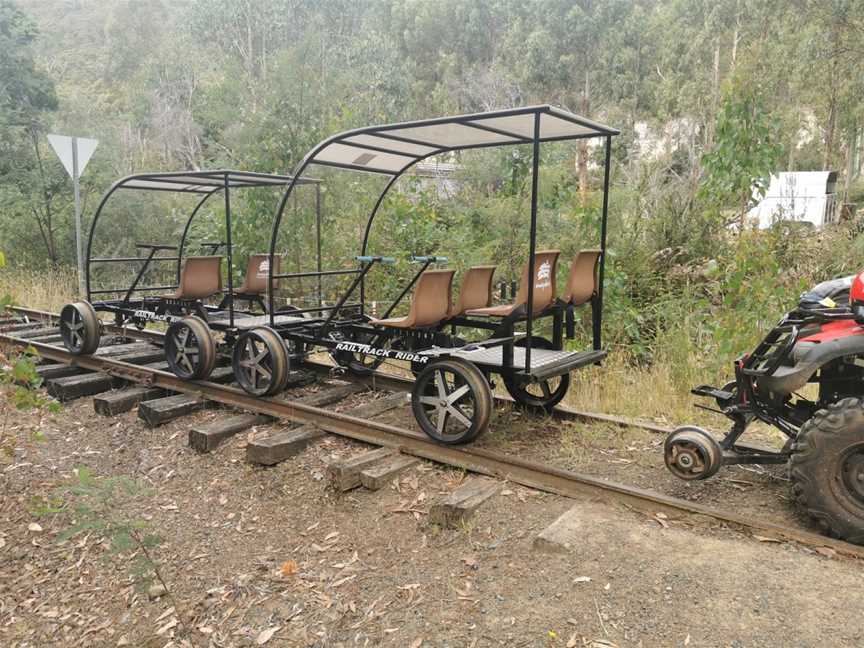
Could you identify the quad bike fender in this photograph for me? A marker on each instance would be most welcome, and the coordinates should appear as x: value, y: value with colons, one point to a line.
x: 809, y: 355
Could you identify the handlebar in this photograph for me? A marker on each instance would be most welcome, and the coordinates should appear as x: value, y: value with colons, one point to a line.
x: 155, y: 246
x: 428, y: 259
x: 373, y: 259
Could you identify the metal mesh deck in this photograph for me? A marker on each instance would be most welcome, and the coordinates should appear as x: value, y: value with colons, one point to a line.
x: 495, y: 356
x: 251, y: 321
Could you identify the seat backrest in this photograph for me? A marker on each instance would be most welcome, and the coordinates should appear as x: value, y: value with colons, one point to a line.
x: 582, y: 283
x: 432, y: 296
x: 257, y: 269
x: 545, y: 265
x: 476, y: 291
x: 201, y: 277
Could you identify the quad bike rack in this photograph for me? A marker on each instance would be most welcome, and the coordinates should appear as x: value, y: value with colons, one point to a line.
x: 452, y: 398
x: 191, y: 350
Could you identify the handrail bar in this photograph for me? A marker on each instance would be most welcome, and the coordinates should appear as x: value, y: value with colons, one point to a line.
x: 315, y: 273
x: 128, y: 259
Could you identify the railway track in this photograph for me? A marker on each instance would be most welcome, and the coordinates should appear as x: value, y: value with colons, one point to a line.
x: 482, y: 461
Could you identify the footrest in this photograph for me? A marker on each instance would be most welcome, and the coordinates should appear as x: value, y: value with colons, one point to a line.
x: 712, y: 392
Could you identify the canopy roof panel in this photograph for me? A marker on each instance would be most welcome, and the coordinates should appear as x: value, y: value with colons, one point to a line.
x: 205, y: 182
x: 392, y: 148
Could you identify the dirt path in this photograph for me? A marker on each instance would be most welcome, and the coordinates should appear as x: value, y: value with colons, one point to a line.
x: 246, y: 551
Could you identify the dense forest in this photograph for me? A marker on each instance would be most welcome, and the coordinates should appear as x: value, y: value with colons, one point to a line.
x: 711, y: 97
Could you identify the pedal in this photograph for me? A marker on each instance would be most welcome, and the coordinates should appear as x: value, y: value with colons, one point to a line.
x: 712, y: 392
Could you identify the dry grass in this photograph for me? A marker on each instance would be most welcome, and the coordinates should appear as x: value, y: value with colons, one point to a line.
x: 41, y: 289
x: 617, y: 387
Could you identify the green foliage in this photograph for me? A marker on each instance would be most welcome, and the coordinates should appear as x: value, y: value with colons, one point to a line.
x: 746, y: 150
x: 19, y: 391
x: 98, y: 505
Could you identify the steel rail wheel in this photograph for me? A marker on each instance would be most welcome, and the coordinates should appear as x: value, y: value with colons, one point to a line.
x: 80, y: 328
x: 189, y: 348
x: 691, y: 453
x: 544, y: 394
x: 260, y: 361
x: 452, y: 401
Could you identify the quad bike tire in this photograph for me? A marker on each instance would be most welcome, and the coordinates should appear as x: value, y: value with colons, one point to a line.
x: 827, y: 469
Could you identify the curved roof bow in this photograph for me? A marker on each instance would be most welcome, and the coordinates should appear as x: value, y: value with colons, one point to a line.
x: 392, y: 148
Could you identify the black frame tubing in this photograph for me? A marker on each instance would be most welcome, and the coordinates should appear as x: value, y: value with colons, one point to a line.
x: 382, y: 132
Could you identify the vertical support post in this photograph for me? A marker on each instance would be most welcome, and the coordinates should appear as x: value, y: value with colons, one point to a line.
x: 318, y: 238
x: 535, y: 167
x: 597, y: 303
x: 228, y: 251
x: 76, y: 185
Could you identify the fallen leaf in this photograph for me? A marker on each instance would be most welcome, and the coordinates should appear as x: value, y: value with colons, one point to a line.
x: 571, y: 642
x: 416, y: 643
x: 34, y: 527
x: 764, y: 539
x: 267, y: 635
x: 330, y: 536
x: 582, y: 579
x: 687, y: 640
x: 828, y: 552
x: 661, y: 520
x: 171, y: 624
x: 288, y: 568
x: 342, y: 581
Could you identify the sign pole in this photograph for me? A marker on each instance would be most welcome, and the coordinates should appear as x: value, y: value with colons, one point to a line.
x: 75, y: 153
x: 76, y: 178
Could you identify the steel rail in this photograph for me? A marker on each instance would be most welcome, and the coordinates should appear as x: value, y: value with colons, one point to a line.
x: 392, y: 381
x: 487, y: 462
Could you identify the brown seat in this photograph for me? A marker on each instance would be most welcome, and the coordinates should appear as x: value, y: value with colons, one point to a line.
x: 582, y: 283
x: 545, y: 263
x: 201, y: 278
x: 257, y: 269
x: 476, y: 291
x: 430, y: 303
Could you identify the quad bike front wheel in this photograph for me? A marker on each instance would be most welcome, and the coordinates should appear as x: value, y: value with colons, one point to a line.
x: 452, y: 401
x: 543, y: 394
x: 260, y: 361
x: 189, y: 348
x: 691, y: 453
x: 80, y: 328
x: 827, y: 469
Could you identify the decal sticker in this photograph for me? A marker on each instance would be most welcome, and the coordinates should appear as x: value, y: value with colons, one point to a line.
x: 544, y: 275
x: 358, y: 347
x: 263, y: 269
x: 153, y: 317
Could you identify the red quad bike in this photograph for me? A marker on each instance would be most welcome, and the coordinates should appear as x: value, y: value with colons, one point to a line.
x: 821, y: 341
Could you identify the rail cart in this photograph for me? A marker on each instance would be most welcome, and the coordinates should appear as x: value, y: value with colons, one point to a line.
x: 190, y: 347
x: 451, y: 396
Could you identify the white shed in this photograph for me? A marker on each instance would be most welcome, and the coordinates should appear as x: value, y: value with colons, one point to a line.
x: 803, y: 196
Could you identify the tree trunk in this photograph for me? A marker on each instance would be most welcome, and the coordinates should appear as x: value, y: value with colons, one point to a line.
x: 582, y: 150
x: 46, y: 228
x: 715, y: 100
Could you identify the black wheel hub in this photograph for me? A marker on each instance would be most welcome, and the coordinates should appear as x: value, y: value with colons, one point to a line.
x: 852, y: 470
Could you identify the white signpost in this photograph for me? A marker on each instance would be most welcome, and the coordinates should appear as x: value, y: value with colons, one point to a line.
x: 75, y: 153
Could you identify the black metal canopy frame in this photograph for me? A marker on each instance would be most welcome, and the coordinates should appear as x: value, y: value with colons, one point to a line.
x: 392, y: 149
x: 205, y: 184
